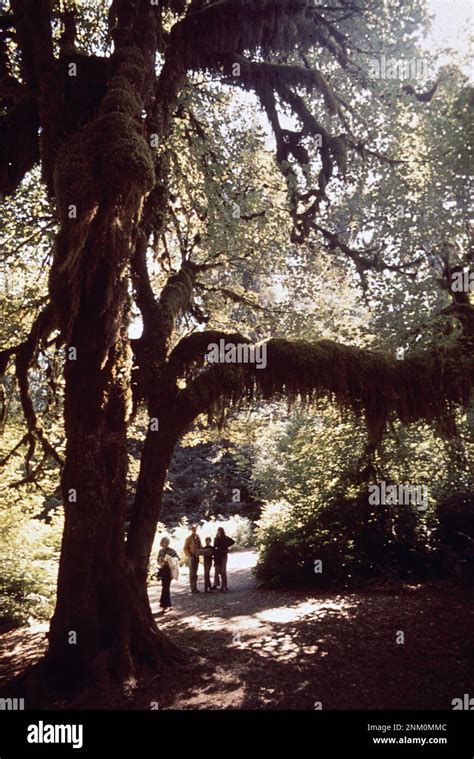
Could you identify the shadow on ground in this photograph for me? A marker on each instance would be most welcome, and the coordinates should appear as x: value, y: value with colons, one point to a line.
x: 292, y: 650
x: 273, y: 649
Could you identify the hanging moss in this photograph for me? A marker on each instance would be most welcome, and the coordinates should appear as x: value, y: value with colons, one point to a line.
x: 427, y: 387
x: 174, y: 299
x: 269, y: 25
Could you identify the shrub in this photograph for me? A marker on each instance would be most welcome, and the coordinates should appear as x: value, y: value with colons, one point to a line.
x: 30, y: 555
x: 353, y: 540
x: 452, y: 536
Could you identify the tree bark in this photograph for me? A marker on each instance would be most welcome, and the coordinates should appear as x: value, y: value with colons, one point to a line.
x: 155, y: 460
x: 103, y: 627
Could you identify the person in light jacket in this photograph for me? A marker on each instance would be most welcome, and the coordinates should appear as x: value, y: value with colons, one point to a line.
x: 164, y: 573
x: 191, y: 549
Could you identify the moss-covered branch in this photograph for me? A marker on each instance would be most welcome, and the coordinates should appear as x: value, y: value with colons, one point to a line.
x: 25, y: 353
x: 159, y: 323
x: 425, y: 387
x: 191, y: 350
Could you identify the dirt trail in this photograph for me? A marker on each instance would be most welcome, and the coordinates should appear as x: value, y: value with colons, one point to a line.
x: 293, y: 649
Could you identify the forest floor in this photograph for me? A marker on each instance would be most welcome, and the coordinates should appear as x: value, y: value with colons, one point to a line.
x: 281, y: 649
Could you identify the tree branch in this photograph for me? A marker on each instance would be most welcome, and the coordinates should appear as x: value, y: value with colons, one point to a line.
x: 366, y: 260
x: 191, y: 350
x: 34, y: 34
x: 25, y: 354
x: 424, y: 387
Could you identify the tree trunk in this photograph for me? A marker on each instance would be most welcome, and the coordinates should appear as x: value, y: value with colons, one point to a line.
x: 155, y: 461
x: 103, y: 626
x: 90, y: 615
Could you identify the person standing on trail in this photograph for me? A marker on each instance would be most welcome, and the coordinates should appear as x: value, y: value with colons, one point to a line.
x: 192, y: 548
x: 222, y: 543
x: 168, y: 563
x: 208, y: 552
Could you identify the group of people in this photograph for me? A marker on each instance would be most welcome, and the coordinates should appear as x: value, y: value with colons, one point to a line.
x: 213, y: 554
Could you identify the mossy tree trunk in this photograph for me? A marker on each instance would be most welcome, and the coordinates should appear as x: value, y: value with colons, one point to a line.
x: 102, y: 626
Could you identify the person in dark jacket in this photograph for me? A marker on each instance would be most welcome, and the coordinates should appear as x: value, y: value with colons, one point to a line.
x: 164, y: 573
x: 222, y: 543
x: 208, y: 552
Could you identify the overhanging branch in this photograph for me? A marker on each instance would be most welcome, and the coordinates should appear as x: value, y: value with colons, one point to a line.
x: 425, y: 387
x: 191, y: 350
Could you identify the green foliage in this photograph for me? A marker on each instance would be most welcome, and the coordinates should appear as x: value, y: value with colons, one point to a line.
x: 354, y: 542
x: 453, y: 533
x: 30, y: 553
x: 309, y: 470
x: 209, y: 479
